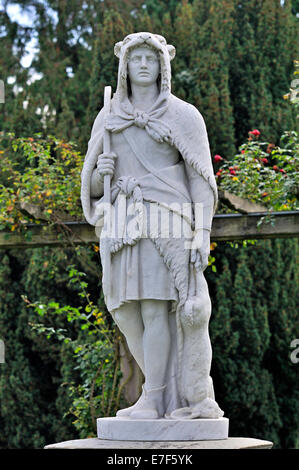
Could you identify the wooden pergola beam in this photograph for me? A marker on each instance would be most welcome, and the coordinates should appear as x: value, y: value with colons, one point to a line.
x: 254, y: 226
x: 228, y: 227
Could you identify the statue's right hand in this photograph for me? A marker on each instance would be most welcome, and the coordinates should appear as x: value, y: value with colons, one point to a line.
x: 105, y: 164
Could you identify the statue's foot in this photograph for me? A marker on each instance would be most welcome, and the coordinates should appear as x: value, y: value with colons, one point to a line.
x: 127, y: 411
x: 152, y: 406
x: 207, y: 408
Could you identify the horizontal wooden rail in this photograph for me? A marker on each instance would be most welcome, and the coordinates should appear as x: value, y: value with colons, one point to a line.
x: 229, y: 227
x: 258, y: 225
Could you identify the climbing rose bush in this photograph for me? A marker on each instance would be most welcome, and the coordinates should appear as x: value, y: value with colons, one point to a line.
x: 48, y: 188
x: 263, y: 172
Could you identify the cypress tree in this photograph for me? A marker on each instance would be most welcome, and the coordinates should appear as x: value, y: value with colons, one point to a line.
x: 282, y: 293
x: 223, y: 338
x: 254, y: 319
x: 32, y: 401
x: 261, y: 63
x: 19, y: 389
x: 212, y: 37
x: 255, y: 395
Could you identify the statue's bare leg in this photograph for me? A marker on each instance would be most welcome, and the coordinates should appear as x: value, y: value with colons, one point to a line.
x: 156, y: 346
x: 147, y: 333
x: 129, y: 320
x: 156, y: 341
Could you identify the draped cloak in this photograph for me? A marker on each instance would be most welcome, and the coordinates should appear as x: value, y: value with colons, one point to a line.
x: 173, y: 122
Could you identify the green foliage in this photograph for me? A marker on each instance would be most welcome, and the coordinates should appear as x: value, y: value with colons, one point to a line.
x: 284, y: 327
x: 49, y: 186
x: 40, y: 374
x: 30, y: 404
x: 95, y: 353
x: 263, y: 48
x: 234, y: 62
x: 253, y: 323
x: 264, y: 173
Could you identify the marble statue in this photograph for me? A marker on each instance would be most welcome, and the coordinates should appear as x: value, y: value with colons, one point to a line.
x: 158, y: 159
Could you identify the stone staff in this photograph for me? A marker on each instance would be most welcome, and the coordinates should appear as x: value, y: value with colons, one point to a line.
x: 107, y: 198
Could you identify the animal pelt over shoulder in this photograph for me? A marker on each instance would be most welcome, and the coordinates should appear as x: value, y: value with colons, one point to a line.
x: 187, y: 133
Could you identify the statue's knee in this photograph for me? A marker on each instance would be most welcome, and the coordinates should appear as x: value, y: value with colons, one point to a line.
x: 119, y: 320
x: 154, y: 312
x: 127, y: 320
x: 149, y: 318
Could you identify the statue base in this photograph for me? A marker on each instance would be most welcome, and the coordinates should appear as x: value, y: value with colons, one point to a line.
x: 231, y: 443
x: 127, y: 429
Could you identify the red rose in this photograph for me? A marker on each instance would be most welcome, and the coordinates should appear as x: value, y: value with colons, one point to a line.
x: 217, y: 158
x: 255, y: 132
x: 242, y: 151
x: 275, y: 167
x: 282, y: 171
x: 218, y: 173
x: 265, y: 160
x: 232, y: 172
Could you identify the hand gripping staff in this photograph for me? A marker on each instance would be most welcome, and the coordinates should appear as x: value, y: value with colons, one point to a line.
x: 107, y: 202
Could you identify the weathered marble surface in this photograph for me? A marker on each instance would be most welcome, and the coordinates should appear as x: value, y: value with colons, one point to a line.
x: 230, y: 443
x: 162, y: 429
x: 148, y: 151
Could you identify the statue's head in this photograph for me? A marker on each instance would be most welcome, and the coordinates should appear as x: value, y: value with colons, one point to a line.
x: 143, y: 65
x: 144, y: 58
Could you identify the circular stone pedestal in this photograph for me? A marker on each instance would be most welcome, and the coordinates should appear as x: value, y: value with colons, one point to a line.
x: 127, y: 429
x: 230, y: 443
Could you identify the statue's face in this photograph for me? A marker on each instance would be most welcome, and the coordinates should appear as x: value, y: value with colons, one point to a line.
x: 143, y: 66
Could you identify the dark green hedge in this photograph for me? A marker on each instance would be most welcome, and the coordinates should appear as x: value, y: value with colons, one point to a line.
x: 254, y: 320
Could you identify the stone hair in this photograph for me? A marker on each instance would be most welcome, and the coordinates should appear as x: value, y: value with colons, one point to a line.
x: 147, y: 46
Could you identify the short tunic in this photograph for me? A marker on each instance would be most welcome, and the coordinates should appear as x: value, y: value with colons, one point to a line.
x: 138, y: 272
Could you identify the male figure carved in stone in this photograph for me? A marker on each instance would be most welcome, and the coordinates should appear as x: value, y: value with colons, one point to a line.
x: 158, y: 296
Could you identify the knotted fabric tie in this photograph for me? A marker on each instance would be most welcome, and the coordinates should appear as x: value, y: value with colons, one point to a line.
x: 155, y: 127
x: 128, y: 186
x: 141, y: 119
